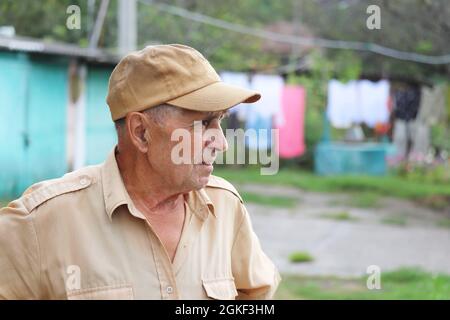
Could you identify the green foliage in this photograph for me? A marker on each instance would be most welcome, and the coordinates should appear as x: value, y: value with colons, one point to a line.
x: 440, y: 136
x: 364, y: 200
x: 444, y: 223
x: 273, y: 201
x: 47, y: 20
x: 300, y: 256
x: 405, y: 26
x: 226, y: 50
x: 433, y: 173
x: 347, y: 65
x: 405, y: 275
x: 424, y: 46
x: 390, y: 185
x: 404, y: 283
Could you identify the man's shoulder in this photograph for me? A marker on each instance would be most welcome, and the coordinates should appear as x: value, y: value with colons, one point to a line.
x: 43, y: 191
x: 220, y: 184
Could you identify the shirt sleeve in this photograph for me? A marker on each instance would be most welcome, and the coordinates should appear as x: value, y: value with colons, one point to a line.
x: 19, y: 254
x: 256, y: 277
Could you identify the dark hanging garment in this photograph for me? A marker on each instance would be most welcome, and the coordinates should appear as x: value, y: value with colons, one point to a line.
x: 233, y: 121
x: 407, y: 101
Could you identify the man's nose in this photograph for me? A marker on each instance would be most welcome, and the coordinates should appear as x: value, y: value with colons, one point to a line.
x: 215, y: 139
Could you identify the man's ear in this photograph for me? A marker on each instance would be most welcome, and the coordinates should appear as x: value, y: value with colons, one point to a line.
x: 138, y: 130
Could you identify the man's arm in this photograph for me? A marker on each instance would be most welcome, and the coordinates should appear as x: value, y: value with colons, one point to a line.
x: 19, y: 254
x: 256, y: 277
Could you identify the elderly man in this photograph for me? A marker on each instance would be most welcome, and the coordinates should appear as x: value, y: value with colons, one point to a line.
x: 142, y: 225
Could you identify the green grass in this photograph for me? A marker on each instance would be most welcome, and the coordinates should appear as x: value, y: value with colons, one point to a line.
x: 395, y: 220
x: 389, y: 185
x: 406, y: 283
x: 273, y: 201
x: 300, y: 256
x: 365, y: 200
x: 444, y: 223
x: 339, y: 216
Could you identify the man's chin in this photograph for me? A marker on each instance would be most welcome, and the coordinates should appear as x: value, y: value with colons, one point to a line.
x: 204, y: 175
x: 203, y: 181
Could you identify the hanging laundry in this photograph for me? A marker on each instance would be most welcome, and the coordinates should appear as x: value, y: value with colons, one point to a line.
x: 232, y: 122
x: 261, y: 113
x: 420, y: 142
x: 342, y: 107
x: 432, y: 104
x: 258, y: 131
x: 431, y: 111
x: 241, y: 80
x: 402, y: 137
x: 356, y: 102
x: 406, y: 107
x: 270, y: 87
x: 373, y: 102
x: 291, y: 132
x: 407, y: 103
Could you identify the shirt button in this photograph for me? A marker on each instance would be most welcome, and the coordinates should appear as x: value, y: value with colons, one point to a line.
x: 169, y: 289
x: 83, y: 181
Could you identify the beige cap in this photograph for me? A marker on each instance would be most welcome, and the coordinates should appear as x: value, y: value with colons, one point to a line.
x: 173, y: 74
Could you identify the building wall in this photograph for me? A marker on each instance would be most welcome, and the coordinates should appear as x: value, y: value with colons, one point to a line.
x: 33, y: 98
x: 34, y: 101
x: 100, y: 131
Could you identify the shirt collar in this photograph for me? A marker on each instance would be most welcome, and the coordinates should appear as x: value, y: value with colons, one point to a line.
x: 200, y: 203
x: 115, y: 193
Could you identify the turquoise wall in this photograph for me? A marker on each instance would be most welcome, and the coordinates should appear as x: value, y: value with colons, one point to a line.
x: 100, y: 131
x: 33, y: 99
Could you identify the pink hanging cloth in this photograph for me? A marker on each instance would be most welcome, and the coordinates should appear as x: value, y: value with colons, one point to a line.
x: 291, y: 128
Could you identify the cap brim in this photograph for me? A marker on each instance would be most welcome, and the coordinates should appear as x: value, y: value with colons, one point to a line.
x: 215, y: 97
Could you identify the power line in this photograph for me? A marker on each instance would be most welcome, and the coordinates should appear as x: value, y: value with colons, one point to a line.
x: 298, y: 40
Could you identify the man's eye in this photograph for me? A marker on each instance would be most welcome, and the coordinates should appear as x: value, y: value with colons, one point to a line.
x: 205, y: 122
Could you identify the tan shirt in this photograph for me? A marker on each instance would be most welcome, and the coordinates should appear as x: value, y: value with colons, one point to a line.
x: 81, y: 237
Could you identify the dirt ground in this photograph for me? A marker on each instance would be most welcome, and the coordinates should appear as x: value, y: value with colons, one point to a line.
x: 345, y: 239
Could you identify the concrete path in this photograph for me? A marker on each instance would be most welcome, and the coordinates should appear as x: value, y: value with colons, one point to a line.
x: 348, y: 247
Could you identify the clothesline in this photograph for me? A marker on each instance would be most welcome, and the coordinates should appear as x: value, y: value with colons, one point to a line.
x: 298, y: 40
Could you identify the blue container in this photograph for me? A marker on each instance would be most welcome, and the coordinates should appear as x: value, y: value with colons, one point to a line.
x: 340, y: 158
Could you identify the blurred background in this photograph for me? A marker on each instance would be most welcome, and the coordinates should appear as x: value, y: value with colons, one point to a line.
x: 358, y: 90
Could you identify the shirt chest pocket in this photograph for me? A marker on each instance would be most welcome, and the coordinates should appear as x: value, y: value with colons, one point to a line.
x: 220, y: 289
x: 117, y: 292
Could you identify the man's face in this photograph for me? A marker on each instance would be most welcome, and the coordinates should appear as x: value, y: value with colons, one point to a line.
x: 183, y: 149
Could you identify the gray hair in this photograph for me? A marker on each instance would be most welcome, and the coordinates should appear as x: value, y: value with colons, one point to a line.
x: 158, y: 114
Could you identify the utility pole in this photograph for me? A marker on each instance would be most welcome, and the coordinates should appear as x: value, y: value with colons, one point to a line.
x: 127, y: 26
x: 98, y: 26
